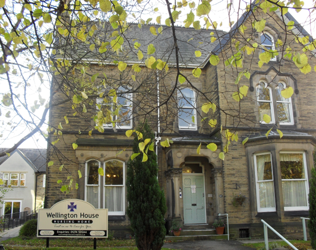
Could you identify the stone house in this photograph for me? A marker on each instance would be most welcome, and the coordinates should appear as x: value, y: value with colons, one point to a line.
x: 272, y: 173
x: 24, y: 174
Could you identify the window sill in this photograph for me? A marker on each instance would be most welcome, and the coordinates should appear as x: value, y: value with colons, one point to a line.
x: 117, y: 217
x: 296, y: 213
x: 263, y: 215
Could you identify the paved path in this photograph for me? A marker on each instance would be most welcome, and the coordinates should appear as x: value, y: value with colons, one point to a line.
x: 208, y: 244
x: 7, y: 234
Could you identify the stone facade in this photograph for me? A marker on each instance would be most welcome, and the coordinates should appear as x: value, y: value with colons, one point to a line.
x: 221, y: 180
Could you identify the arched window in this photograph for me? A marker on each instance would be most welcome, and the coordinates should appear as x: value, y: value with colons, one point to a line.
x: 114, y: 187
x: 267, y: 42
x: 92, y: 183
x: 187, y: 109
x: 265, y: 101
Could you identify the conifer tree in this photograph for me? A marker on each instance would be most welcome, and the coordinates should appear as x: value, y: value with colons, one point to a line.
x: 146, y: 201
x: 312, y: 206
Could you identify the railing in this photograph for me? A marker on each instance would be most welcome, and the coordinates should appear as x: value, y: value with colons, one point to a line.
x: 266, y: 240
x: 15, y: 219
x: 304, y: 227
x: 227, y: 224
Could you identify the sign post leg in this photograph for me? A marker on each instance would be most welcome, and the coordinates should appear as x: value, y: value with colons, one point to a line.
x: 94, y: 243
x: 47, y: 242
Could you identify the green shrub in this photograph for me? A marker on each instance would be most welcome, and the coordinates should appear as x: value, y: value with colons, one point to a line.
x: 29, y: 228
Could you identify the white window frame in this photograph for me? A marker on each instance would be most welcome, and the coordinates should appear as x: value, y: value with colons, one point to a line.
x: 123, y: 187
x: 6, y: 176
x: 44, y: 180
x: 92, y: 185
x: 193, y: 107
x: 289, y: 101
x: 267, y: 46
x: 129, y: 98
x: 301, y: 208
x: 271, y: 209
x: 4, y: 201
x: 265, y: 101
x: 20, y: 179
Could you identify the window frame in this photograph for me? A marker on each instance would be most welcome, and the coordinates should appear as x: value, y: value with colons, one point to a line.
x: 12, y: 201
x: 291, y: 122
x: 264, y: 101
x: 267, y: 45
x: 123, y: 188
x: 7, y: 179
x: 300, y: 208
x: 191, y: 107
x: 259, y: 209
x: 129, y: 98
x: 92, y: 185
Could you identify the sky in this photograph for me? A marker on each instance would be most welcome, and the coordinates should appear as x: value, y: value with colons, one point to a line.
x: 219, y: 12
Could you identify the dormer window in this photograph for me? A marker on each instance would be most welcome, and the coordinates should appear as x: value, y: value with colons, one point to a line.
x: 187, y: 109
x: 267, y: 43
x: 272, y: 103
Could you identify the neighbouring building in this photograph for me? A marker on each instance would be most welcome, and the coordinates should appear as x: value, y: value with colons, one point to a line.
x: 270, y: 172
x: 24, y: 175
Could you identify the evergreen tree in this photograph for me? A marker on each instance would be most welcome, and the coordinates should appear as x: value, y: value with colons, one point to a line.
x: 146, y: 201
x: 312, y: 206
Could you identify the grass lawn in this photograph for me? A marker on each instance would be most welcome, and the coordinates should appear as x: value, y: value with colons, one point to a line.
x: 65, y: 244
x: 299, y: 244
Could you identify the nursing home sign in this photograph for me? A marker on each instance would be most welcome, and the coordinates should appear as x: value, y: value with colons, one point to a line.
x: 72, y: 218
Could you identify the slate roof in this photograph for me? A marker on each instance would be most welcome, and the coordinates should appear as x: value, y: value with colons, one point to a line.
x: 189, y: 40
x: 36, y: 158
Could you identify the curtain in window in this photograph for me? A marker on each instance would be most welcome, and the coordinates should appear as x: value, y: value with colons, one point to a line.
x: 114, y: 198
x: 93, y: 183
x: 265, y: 181
x: 93, y: 195
x: 293, y: 180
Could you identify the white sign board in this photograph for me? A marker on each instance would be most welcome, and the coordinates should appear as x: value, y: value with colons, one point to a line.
x: 72, y: 218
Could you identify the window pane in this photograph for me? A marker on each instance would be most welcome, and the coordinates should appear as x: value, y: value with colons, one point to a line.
x: 266, y: 194
x: 186, y: 98
x: 263, y: 93
x: 266, y: 39
x: 114, y: 173
x: 283, y: 112
x: 294, y: 193
x: 292, y: 166
x: 6, y: 176
x: 16, y: 210
x: 278, y: 90
x: 192, y: 168
x: 264, y: 108
x: 114, y: 198
x: 92, y: 172
x: 13, y: 182
x: 125, y: 117
x: 22, y: 176
x: 7, y: 207
x: 14, y: 176
x: 185, y: 118
x: 93, y: 195
x: 264, y: 168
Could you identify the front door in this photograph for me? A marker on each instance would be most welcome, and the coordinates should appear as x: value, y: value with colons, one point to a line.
x: 193, y: 199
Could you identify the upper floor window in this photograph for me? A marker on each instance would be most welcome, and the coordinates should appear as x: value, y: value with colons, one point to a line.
x: 272, y: 103
x: 112, y: 195
x: 267, y: 42
x: 14, y: 179
x: 187, y: 109
x: 293, y: 178
x: 120, y: 113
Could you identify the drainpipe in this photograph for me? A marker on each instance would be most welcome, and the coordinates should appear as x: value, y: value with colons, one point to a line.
x: 157, y: 133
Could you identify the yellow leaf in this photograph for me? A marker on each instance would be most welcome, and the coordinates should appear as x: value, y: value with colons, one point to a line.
x: 140, y: 55
x: 165, y: 143
x: 100, y: 171
x: 158, y: 19
x: 280, y: 133
x: 74, y: 146
x: 61, y: 167
x: 51, y: 163
x: 206, y: 107
x: 236, y: 96
x: 122, y: 66
x: 198, y: 151
x: 287, y: 93
x: 145, y: 157
x: 2, y: 3
x: 181, y: 79
x: 153, y: 30
x: 92, y: 47
x: 79, y: 174
x: 221, y: 156
x: 105, y: 5
x: 212, y: 122
x: 266, y: 118
x: 128, y: 133
x: 1, y: 182
x: 214, y: 60
x: 196, y: 72
x: 66, y: 119
x: 267, y: 134
x: 198, y: 53
x: 212, y: 146
x: 134, y: 156
x: 84, y: 95
x: 243, y: 90
x: 213, y: 39
x: 245, y: 141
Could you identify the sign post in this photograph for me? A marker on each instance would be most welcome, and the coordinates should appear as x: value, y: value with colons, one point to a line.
x: 72, y: 218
